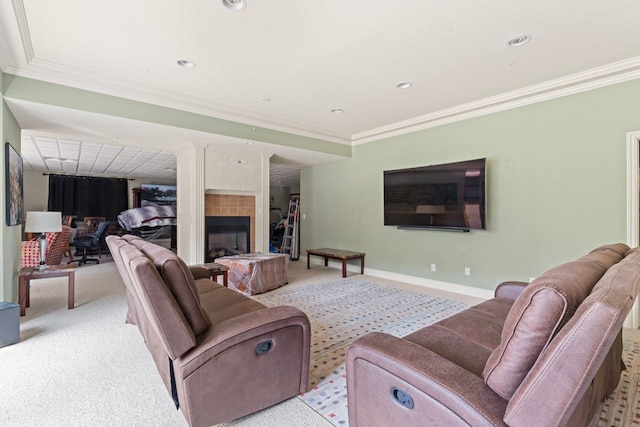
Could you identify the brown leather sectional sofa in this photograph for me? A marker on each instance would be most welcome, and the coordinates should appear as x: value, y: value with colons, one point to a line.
x: 538, y: 354
x: 220, y: 354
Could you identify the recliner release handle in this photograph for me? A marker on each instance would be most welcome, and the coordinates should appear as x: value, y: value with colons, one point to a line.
x: 264, y: 347
x: 402, y: 398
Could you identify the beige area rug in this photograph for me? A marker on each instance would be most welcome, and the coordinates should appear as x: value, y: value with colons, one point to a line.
x: 342, y: 310
x: 86, y: 367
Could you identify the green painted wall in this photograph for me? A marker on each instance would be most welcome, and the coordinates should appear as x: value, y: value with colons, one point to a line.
x: 11, y: 236
x: 556, y: 189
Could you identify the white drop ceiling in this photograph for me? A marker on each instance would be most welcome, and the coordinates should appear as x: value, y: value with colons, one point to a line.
x: 286, y: 64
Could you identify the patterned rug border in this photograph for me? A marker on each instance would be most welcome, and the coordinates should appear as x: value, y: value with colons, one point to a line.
x: 342, y: 310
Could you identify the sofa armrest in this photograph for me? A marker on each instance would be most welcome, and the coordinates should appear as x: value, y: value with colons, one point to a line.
x: 442, y: 392
x: 224, y: 335
x: 510, y: 290
x: 244, y: 364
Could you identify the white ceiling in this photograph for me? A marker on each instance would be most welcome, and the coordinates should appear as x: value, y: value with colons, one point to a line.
x: 285, y: 64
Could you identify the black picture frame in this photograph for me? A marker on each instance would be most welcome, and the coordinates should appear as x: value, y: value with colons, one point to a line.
x: 14, y: 186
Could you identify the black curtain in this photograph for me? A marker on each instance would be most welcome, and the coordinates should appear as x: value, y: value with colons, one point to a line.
x: 88, y: 196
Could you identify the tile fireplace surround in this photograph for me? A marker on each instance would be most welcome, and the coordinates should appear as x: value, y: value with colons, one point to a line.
x: 232, y: 205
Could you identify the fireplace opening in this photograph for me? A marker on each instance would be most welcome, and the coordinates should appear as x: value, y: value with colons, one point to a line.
x: 226, y: 235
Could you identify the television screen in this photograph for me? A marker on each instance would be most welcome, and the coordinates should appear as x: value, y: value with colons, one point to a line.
x: 447, y: 196
x: 154, y: 194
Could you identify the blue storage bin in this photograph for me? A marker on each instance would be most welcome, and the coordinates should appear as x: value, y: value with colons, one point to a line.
x: 9, y: 323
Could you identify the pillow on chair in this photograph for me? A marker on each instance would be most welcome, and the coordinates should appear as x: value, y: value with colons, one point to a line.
x: 30, y: 250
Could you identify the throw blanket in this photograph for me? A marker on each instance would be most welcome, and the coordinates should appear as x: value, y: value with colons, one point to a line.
x: 149, y: 216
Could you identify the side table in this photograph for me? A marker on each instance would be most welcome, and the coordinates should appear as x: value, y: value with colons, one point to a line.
x: 26, y: 274
x: 216, y: 270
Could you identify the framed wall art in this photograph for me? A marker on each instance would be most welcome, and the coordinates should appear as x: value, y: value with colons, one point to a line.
x: 15, y: 199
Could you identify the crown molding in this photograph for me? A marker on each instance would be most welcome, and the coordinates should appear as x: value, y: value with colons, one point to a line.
x: 79, y: 79
x: 617, y: 72
x: 580, y: 82
x: 23, y: 29
x: 18, y: 58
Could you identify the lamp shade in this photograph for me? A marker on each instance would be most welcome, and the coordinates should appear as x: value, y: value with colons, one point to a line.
x: 42, y: 222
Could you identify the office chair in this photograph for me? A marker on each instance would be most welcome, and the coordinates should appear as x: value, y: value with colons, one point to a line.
x: 87, y: 242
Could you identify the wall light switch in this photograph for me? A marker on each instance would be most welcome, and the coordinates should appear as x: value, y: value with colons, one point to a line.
x: 433, y: 267
x: 467, y: 271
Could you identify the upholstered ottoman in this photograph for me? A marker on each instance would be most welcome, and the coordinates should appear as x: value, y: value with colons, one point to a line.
x: 256, y: 273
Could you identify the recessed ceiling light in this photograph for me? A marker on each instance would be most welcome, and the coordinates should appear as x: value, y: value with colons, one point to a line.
x: 186, y: 63
x: 235, y: 5
x: 337, y: 110
x: 518, y: 40
x: 404, y: 85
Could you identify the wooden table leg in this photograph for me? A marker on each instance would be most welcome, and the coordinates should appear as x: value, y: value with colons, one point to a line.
x: 22, y: 294
x: 326, y: 261
x: 362, y: 265
x: 344, y: 268
x: 225, y: 279
x: 72, y: 290
x: 27, y: 291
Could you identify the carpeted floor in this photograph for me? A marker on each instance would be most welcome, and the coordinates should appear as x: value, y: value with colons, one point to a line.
x: 86, y: 367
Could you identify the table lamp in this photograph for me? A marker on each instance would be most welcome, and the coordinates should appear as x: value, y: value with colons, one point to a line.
x: 43, y: 222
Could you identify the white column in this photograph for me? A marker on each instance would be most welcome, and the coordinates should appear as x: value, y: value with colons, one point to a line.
x: 190, y: 195
x: 262, y: 207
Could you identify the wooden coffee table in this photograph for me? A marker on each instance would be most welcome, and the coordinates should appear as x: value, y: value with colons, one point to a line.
x: 339, y: 254
x: 27, y: 274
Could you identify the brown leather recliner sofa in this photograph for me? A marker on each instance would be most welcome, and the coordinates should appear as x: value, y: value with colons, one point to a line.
x: 538, y: 354
x: 220, y: 354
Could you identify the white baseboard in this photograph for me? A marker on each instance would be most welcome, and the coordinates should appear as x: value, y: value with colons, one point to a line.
x: 420, y: 281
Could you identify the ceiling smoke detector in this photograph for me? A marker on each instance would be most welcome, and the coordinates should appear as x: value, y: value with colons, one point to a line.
x: 404, y: 85
x: 235, y: 5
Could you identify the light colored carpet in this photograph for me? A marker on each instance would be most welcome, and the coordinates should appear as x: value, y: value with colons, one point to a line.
x: 86, y: 367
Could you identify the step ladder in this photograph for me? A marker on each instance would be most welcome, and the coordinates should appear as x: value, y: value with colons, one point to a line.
x: 290, y: 244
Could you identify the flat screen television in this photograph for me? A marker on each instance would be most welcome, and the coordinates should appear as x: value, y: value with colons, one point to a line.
x: 446, y: 196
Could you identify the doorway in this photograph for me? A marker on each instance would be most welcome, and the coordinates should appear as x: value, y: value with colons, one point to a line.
x: 284, y: 181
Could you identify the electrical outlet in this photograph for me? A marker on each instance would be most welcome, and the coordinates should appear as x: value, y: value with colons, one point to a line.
x: 467, y: 271
x: 433, y: 267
